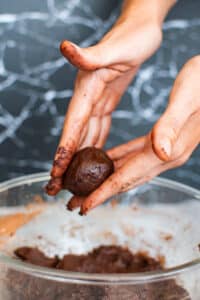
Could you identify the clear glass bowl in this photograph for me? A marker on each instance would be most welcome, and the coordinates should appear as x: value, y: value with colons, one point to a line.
x: 21, y: 281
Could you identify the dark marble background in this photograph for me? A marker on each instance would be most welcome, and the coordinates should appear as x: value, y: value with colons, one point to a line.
x: 36, y: 83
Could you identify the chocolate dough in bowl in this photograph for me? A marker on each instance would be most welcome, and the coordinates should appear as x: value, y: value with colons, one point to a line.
x: 140, y: 245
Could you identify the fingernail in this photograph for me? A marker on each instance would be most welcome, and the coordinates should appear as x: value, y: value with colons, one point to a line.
x: 69, y: 207
x: 166, y: 147
x: 81, y: 213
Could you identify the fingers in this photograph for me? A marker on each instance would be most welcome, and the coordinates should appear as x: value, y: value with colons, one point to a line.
x: 76, y: 122
x: 54, y: 186
x: 73, y: 126
x: 104, y: 132
x: 166, y: 132
x: 88, y: 59
x: 189, y: 138
x: 75, y: 202
x: 77, y: 117
x: 97, y: 134
x: 120, y: 162
x: 112, y: 96
x: 83, y: 135
x: 95, y: 57
x: 119, y: 152
x: 93, y: 133
x: 99, y: 124
x: 135, y: 171
x: 184, y: 102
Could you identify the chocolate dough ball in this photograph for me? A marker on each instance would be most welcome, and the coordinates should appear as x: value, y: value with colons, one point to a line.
x: 87, y: 171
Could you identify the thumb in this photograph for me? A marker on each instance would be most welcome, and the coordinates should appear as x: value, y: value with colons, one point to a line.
x: 166, y: 131
x: 164, y: 136
x: 182, y: 104
x: 87, y: 59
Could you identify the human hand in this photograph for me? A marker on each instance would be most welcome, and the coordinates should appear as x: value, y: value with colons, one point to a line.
x: 169, y: 144
x: 106, y: 70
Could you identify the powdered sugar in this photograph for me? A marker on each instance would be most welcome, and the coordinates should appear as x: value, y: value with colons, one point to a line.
x: 162, y: 230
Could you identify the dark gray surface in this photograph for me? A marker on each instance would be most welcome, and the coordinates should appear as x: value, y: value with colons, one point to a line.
x: 36, y: 82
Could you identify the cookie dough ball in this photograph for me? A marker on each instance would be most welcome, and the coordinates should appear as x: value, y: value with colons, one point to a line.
x: 88, y: 169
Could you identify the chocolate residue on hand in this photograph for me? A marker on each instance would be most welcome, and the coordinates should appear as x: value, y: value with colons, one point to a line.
x: 89, y: 168
x: 54, y: 186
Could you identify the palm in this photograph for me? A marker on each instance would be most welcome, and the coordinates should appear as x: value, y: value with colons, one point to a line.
x: 104, y: 88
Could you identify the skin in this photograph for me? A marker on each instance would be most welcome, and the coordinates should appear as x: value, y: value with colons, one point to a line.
x: 103, y: 77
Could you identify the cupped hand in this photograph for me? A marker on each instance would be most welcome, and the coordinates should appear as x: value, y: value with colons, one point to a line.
x: 105, y: 71
x: 169, y: 144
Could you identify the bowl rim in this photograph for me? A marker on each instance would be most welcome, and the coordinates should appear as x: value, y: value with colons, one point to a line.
x: 97, y: 279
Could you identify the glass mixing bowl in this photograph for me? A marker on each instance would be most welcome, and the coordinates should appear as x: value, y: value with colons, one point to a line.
x: 21, y: 281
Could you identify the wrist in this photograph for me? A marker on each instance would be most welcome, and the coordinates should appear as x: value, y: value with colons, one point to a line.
x: 154, y: 10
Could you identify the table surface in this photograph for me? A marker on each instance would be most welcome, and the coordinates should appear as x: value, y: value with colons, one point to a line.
x: 36, y: 83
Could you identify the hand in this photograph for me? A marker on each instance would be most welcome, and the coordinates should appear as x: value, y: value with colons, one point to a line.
x: 169, y: 144
x: 106, y: 70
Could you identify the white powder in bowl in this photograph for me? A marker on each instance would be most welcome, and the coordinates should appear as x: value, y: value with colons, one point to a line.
x: 164, y: 230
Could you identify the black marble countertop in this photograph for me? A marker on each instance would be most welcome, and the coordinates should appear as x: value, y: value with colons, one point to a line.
x: 36, y: 83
